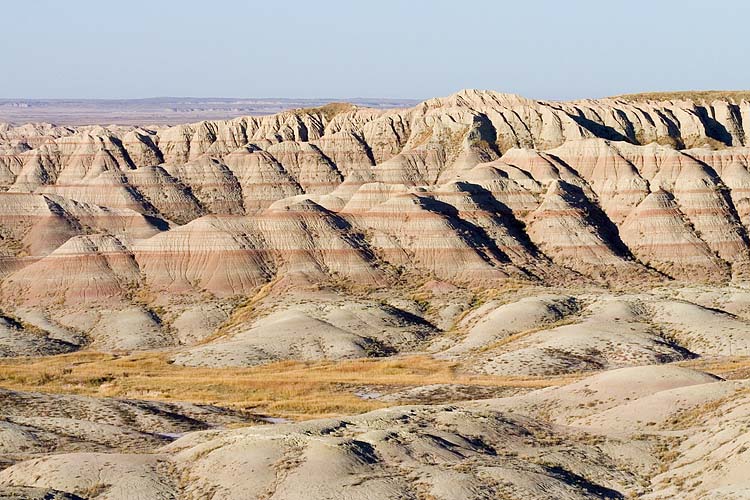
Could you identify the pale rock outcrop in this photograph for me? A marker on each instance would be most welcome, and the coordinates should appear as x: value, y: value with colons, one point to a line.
x: 416, y: 231
x: 214, y: 253
x: 141, y: 147
x: 165, y: 194
x: 571, y: 231
x: 85, y: 269
x: 659, y: 234
x: 35, y: 225
x: 19, y: 340
x: 544, y: 168
x: 212, y: 183
x: 262, y: 178
x: 315, y: 173
x: 387, y: 135
x: 312, y: 243
x: 334, y: 327
x: 349, y: 153
x: 509, y: 185
x: 11, y: 161
x: 492, y: 322
x: 616, y: 182
x: 611, y: 333
x: 482, y: 213
x: 372, y: 194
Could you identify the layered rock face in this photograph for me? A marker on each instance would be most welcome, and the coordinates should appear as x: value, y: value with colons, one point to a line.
x: 476, y: 189
x: 491, y: 244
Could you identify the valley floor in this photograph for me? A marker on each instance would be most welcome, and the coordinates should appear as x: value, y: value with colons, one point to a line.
x: 535, y: 393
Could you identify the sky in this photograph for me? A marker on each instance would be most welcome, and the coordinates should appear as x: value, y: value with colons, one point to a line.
x: 560, y: 49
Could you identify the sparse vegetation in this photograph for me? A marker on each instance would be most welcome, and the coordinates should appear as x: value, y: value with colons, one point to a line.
x: 699, y: 96
x: 282, y: 261
x: 730, y: 368
x: 518, y: 336
x: 328, y: 111
x: 288, y: 389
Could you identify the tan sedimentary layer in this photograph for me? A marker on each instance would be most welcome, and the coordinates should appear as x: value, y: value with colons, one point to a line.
x: 474, y: 187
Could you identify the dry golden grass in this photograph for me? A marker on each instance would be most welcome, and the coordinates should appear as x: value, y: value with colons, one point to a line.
x: 700, y: 96
x: 730, y: 368
x: 244, y: 313
x: 328, y: 110
x: 288, y: 389
x: 698, y: 415
x: 499, y: 344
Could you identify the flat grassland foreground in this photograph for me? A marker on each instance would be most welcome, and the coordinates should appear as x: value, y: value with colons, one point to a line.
x: 480, y: 296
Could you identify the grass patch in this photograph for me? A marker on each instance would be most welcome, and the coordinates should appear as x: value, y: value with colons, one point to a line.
x: 526, y: 333
x: 328, y: 111
x: 730, y: 368
x: 698, y: 96
x: 290, y: 389
x: 244, y: 313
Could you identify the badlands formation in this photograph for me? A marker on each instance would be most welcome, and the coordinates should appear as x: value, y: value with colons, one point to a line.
x: 597, y: 250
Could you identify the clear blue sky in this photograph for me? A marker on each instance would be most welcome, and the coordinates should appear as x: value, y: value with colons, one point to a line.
x: 386, y: 48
